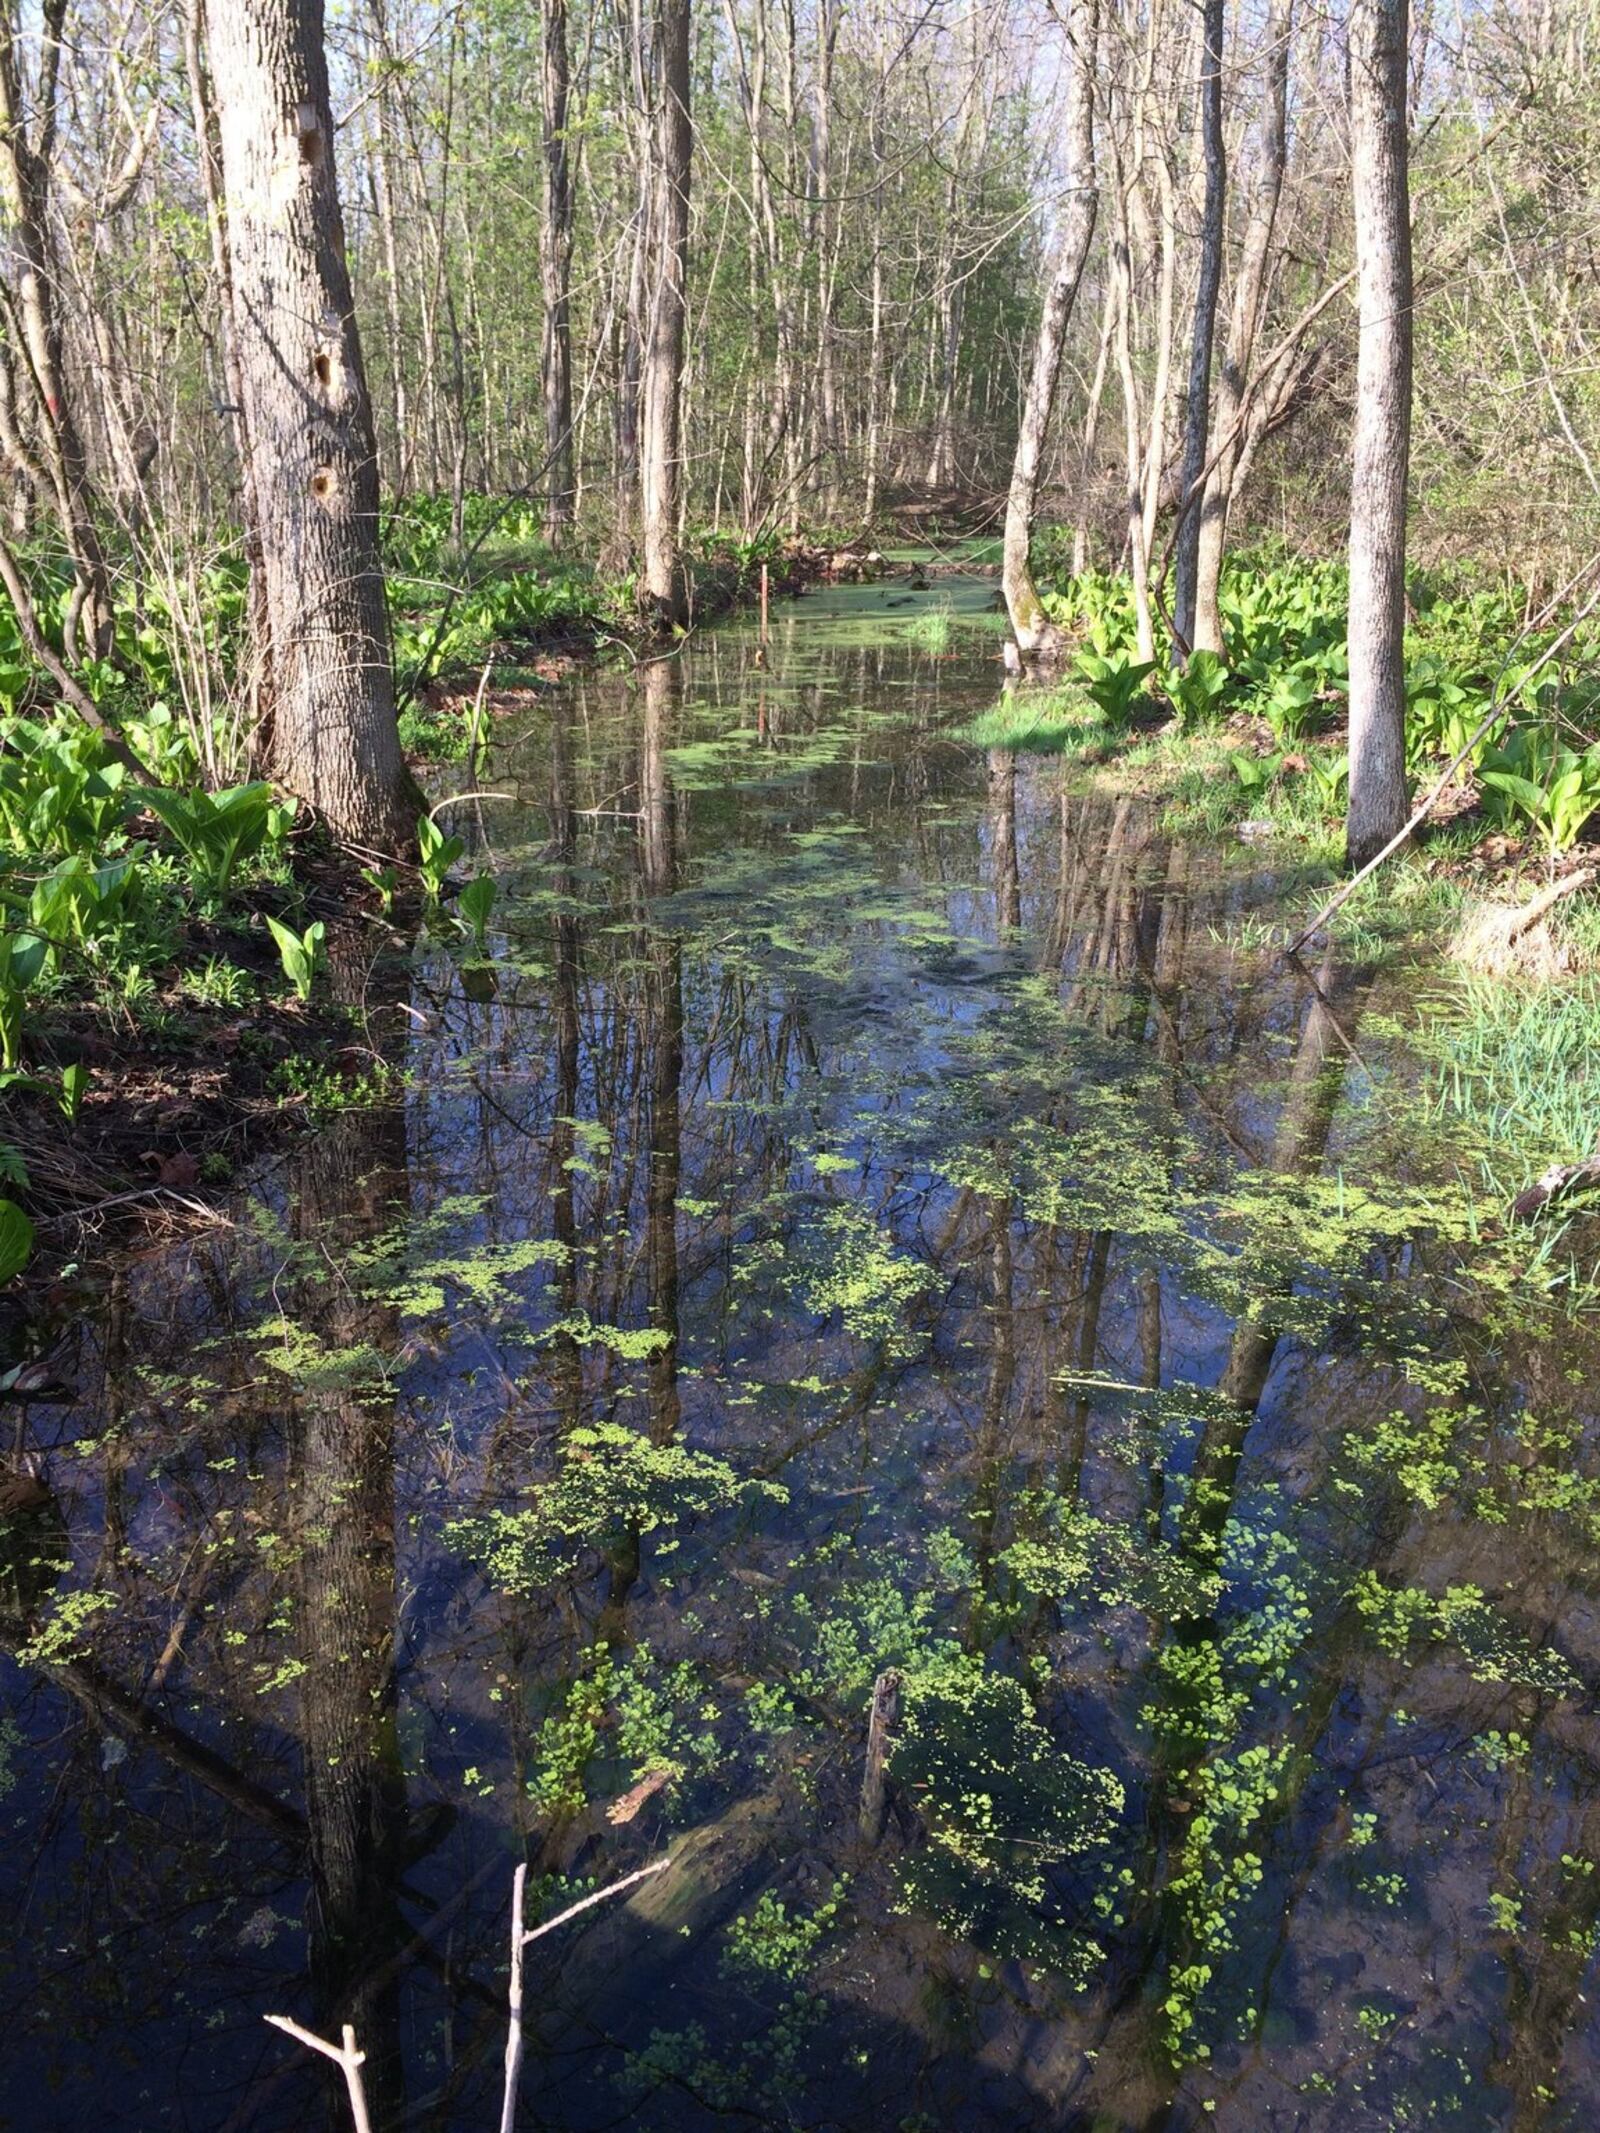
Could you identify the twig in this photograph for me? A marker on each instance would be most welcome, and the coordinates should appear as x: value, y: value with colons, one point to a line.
x: 1254, y: 384
x: 477, y: 710
x: 454, y: 799
x: 1517, y: 923
x: 1560, y: 1177
x: 345, y: 2056
x: 1089, y: 1383
x: 197, y: 1208
x: 519, y: 1941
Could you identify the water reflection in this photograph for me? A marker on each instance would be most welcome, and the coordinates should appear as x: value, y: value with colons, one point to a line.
x: 875, y: 1219
x: 348, y: 1190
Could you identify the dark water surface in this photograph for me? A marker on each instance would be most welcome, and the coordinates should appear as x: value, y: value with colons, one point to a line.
x: 878, y: 1213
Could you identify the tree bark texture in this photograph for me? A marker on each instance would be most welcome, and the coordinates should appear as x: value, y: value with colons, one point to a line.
x: 308, y: 420
x: 557, y: 268
x: 1029, y: 624
x: 1197, y: 418
x: 1382, y: 429
x: 661, y: 459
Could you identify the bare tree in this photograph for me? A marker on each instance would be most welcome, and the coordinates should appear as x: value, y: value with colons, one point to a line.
x: 661, y: 468
x: 556, y: 262
x: 1209, y: 282
x: 1244, y: 326
x: 33, y: 318
x: 313, y: 464
x: 1381, y: 448
x: 1028, y: 621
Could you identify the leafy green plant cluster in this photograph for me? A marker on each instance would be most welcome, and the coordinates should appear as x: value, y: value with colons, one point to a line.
x: 217, y: 831
x: 841, y: 1265
x: 611, y: 1483
x: 1401, y: 1616
x: 102, y: 873
x: 1002, y: 1799
x: 620, y: 1723
x: 778, y: 1940
x: 1534, y: 777
x: 1004, y: 1802
x: 82, y: 913
x: 1537, y: 769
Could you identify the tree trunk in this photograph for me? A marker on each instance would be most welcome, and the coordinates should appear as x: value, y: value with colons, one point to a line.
x: 383, y: 201
x: 1382, y: 428
x: 557, y: 265
x: 1244, y: 326
x: 826, y: 438
x: 314, y: 472
x: 1138, y: 555
x: 209, y: 156
x: 1155, y: 455
x: 1197, y: 419
x: 875, y: 367
x: 1091, y: 432
x: 661, y: 469
x: 1028, y: 622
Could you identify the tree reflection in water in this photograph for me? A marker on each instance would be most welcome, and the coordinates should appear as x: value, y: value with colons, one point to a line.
x: 878, y: 1216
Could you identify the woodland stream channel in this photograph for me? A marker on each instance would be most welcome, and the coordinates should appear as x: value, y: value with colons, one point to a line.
x: 868, y: 1208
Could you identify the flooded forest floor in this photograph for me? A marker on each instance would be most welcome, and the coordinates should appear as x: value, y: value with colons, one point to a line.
x: 863, y: 1201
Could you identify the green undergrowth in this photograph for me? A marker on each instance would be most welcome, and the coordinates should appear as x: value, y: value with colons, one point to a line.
x: 1516, y: 1068
x: 469, y: 603
x: 181, y: 925
x: 1257, y: 738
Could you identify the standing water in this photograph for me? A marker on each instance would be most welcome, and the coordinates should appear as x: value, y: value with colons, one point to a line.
x: 864, y: 1225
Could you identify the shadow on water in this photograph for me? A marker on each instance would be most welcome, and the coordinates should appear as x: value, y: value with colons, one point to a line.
x: 876, y: 1217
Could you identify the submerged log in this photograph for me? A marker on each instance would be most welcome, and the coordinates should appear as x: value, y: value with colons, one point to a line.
x: 1559, y: 1178
x: 880, y: 1732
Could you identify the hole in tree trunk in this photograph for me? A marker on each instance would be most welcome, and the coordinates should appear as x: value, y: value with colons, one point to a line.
x: 310, y: 135
x: 322, y: 483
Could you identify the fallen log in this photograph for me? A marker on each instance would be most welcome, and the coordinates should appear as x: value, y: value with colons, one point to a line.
x: 1488, y: 939
x: 1559, y: 1178
x: 885, y: 1716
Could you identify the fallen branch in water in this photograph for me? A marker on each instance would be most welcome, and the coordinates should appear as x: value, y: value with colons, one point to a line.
x: 345, y: 2056
x: 519, y: 1941
x: 880, y: 1733
x: 1560, y: 1177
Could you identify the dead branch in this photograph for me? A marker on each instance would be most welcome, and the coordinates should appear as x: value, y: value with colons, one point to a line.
x: 1560, y: 1177
x: 520, y: 1940
x: 346, y: 2057
x: 880, y: 1731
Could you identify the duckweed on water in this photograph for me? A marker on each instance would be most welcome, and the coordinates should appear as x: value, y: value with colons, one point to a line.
x: 611, y: 1483
x: 881, y: 1219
